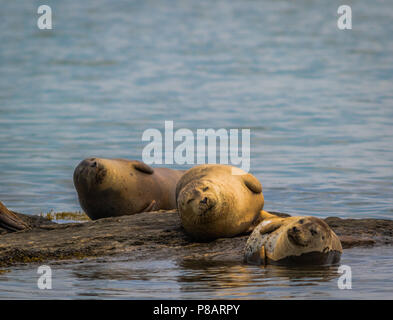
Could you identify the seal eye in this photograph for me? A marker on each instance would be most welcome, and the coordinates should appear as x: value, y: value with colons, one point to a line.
x: 301, y: 221
x: 205, y: 189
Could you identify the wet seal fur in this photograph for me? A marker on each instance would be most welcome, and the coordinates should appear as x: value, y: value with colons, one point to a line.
x: 217, y: 201
x: 116, y: 187
x: 292, y: 241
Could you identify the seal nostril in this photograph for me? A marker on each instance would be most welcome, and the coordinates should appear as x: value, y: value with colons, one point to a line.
x: 204, y: 200
x: 294, y: 229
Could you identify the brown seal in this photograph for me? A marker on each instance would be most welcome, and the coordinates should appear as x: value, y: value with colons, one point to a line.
x: 116, y: 187
x: 10, y: 221
x: 218, y: 201
x: 294, y: 240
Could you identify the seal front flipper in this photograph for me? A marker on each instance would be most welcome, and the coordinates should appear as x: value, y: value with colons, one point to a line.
x: 10, y: 221
x: 151, y: 207
x: 252, y: 183
x: 267, y: 215
x: 268, y: 226
x: 143, y: 167
x: 262, y: 255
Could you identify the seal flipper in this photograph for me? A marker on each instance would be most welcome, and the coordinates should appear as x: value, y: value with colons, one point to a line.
x: 267, y: 215
x: 10, y: 221
x: 143, y: 167
x: 262, y: 255
x: 268, y: 226
x: 252, y: 183
x: 151, y: 207
x: 263, y: 215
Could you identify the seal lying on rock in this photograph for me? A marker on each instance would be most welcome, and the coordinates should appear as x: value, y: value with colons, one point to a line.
x: 218, y: 201
x: 293, y: 240
x: 10, y: 221
x: 116, y: 187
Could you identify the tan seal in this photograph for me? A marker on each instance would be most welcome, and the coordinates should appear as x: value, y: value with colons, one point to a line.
x: 218, y: 201
x: 116, y: 187
x: 293, y: 240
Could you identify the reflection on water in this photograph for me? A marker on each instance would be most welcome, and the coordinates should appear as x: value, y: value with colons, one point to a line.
x: 243, y: 281
x: 120, y: 278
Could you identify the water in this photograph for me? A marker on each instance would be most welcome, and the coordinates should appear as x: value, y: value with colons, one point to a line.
x: 318, y: 101
x: 120, y: 279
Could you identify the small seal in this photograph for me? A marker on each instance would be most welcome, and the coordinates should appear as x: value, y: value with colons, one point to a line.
x: 214, y: 202
x: 292, y: 241
x: 116, y: 187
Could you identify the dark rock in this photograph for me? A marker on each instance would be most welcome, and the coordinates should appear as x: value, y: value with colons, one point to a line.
x: 152, y: 235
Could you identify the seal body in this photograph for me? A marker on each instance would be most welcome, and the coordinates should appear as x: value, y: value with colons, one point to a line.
x: 292, y: 241
x: 116, y: 187
x: 218, y: 201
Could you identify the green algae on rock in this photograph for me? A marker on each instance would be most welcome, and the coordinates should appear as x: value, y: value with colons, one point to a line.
x: 68, y: 216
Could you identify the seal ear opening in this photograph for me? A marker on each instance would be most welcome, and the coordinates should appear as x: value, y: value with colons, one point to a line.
x: 252, y: 183
x: 143, y: 167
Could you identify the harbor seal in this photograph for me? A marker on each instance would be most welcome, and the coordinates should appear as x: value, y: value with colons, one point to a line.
x: 294, y: 240
x: 213, y: 202
x: 10, y: 221
x: 116, y: 187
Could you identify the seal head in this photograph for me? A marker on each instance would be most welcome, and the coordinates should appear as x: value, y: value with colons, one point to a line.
x: 293, y: 240
x: 213, y: 203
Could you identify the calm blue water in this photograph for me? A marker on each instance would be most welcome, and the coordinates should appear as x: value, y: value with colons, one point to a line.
x: 121, y: 279
x: 318, y: 101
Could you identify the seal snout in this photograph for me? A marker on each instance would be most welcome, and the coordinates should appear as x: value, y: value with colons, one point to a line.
x: 89, y: 172
x: 197, y: 198
x: 205, y: 205
x: 91, y: 162
x: 295, y: 230
x: 307, y: 231
x: 298, y: 236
